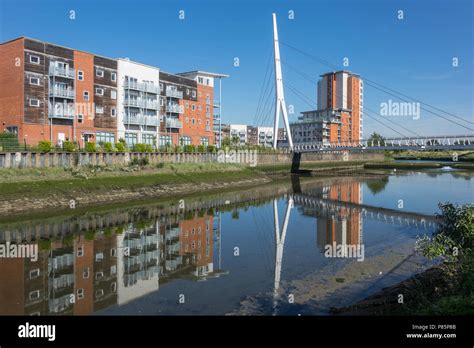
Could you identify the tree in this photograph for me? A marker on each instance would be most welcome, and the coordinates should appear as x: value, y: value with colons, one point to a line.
x: 375, y: 139
x: 235, y: 140
x: 226, y: 141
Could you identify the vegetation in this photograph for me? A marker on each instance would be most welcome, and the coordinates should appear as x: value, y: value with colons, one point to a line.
x: 453, y: 243
x: 108, y: 147
x: 376, y: 139
x: 69, y: 146
x: 120, y: 147
x: 90, y: 147
x: 45, y: 146
x: 9, y: 141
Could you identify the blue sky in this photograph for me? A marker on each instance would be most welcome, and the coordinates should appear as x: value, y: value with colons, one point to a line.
x: 413, y: 55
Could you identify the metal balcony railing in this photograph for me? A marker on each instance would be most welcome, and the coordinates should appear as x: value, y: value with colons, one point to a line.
x: 173, y: 123
x: 65, y: 113
x: 143, y: 87
x: 69, y: 73
x: 138, y: 103
x: 174, y: 93
x: 142, y: 120
x: 62, y: 93
x: 174, y: 108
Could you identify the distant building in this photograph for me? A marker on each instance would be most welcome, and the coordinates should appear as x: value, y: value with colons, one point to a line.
x: 338, y: 118
x: 252, y: 135
x: 265, y: 136
x: 239, y: 131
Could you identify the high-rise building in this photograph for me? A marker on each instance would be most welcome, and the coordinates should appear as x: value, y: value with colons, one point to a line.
x: 338, y: 118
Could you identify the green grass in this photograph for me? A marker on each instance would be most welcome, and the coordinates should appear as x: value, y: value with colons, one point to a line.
x: 467, y: 156
x: 127, y: 181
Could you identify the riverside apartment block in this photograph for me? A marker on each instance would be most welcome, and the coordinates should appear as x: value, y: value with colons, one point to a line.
x: 50, y: 92
x: 338, y: 118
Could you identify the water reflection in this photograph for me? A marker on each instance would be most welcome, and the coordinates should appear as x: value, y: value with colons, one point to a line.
x: 97, y: 262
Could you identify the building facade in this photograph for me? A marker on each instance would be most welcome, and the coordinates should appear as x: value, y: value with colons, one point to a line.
x: 339, y: 116
x: 50, y: 92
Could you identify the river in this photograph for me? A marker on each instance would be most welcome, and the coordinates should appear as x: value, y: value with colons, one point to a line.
x: 334, y: 242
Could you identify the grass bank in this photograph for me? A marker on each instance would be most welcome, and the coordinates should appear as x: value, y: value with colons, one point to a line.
x: 462, y: 156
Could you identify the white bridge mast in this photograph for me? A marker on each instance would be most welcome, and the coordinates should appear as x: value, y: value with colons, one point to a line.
x: 280, y: 97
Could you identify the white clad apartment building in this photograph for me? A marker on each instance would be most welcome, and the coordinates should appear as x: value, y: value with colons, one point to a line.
x: 138, y: 102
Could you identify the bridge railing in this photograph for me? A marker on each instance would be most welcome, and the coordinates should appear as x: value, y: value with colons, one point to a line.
x: 434, y: 142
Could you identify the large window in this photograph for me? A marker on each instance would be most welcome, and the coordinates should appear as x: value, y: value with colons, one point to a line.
x: 185, y: 141
x: 165, y: 140
x: 204, y: 141
x: 131, y: 139
x: 105, y: 137
x: 148, y: 139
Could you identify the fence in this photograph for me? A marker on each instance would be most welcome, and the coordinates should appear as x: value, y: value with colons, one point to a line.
x: 29, y: 159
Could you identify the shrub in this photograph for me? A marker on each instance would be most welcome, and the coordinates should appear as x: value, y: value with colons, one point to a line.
x: 45, y: 146
x: 69, y: 146
x: 160, y: 165
x: 139, y: 148
x: 200, y: 148
x: 189, y: 148
x: 211, y: 148
x: 8, y: 141
x: 149, y: 148
x: 108, y: 147
x: 90, y: 147
x: 120, y: 146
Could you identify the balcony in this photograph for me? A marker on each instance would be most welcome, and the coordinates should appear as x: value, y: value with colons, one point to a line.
x: 173, y: 123
x: 174, y: 108
x: 62, y: 93
x: 68, y: 73
x: 142, y: 120
x: 64, y: 113
x: 174, y: 93
x: 137, y: 103
x: 142, y: 87
x: 152, y: 104
x: 216, y: 104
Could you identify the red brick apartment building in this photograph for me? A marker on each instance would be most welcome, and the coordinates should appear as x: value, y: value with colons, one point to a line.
x: 338, y: 118
x: 50, y: 92
x: 47, y: 92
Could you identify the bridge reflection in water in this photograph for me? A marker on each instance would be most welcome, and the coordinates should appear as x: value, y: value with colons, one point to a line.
x: 90, y: 263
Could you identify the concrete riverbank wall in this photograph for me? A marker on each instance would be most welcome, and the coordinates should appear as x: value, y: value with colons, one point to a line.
x: 249, y: 158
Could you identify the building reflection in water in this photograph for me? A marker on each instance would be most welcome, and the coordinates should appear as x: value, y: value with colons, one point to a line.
x: 84, y: 273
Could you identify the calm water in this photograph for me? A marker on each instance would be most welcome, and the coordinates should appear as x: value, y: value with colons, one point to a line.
x: 226, y: 258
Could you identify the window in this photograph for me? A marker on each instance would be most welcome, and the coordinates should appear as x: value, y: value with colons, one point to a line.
x: 205, y: 141
x: 165, y: 140
x: 186, y: 120
x: 80, y: 75
x: 99, y: 293
x: 99, y: 257
x: 99, y: 73
x: 113, y: 287
x: 194, y: 94
x: 113, y: 112
x: 34, y: 81
x: 113, y: 76
x: 99, y: 275
x: 193, y: 107
x: 186, y: 105
x: 113, y: 94
x: 148, y: 139
x: 200, y: 94
x: 34, y: 295
x: 187, y: 91
x: 186, y: 141
x: 85, y: 273
x: 34, y: 273
x: 200, y: 80
x: 99, y: 109
x: 80, y: 294
x: 34, y: 102
x: 200, y: 107
x: 80, y: 250
x: 193, y: 121
x: 105, y: 137
x: 80, y: 118
x: 34, y: 59
x: 99, y: 91
x: 86, y: 95
x: 131, y: 139
x: 113, y: 269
